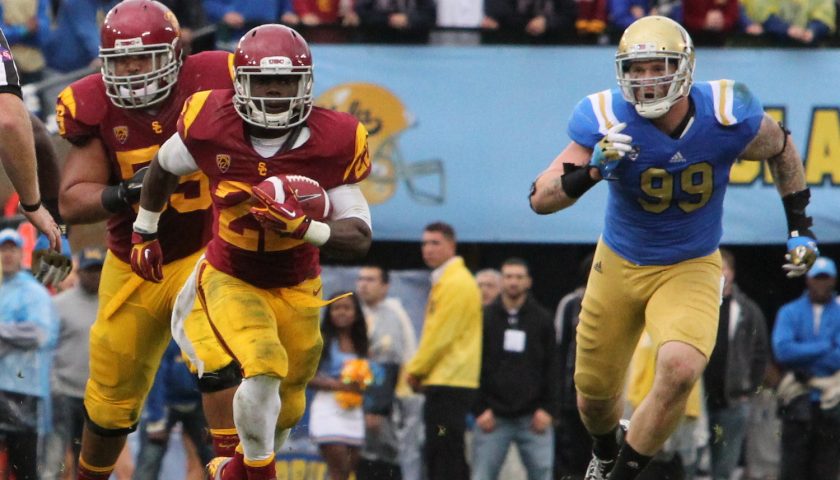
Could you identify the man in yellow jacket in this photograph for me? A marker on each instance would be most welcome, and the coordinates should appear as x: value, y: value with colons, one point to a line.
x: 447, y: 364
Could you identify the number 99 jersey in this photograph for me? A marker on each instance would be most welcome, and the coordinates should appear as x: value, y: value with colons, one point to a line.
x: 666, y: 205
x: 131, y: 138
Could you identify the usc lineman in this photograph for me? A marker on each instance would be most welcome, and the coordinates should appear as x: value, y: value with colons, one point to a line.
x: 260, y: 281
x: 116, y: 120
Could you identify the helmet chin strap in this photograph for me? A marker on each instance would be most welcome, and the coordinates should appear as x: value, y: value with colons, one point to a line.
x: 654, y: 110
x: 139, y: 93
x: 272, y: 120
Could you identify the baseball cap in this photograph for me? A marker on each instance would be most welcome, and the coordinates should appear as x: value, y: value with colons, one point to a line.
x: 91, y: 257
x: 11, y: 235
x: 43, y: 243
x: 823, y: 266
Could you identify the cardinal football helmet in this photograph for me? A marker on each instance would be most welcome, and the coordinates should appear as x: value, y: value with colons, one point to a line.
x: 140, y: 28
x: 386, y: 118
x: 272, y: 50
x: 655, y: 38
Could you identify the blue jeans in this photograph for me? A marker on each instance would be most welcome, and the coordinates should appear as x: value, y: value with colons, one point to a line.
x: 150, y: 457
x: 727, y: 426
x: 490, y: 449
x: 68, y: 420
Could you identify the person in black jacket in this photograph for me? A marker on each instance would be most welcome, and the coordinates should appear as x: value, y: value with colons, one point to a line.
x: 735, y: 371
x: 518, y: 392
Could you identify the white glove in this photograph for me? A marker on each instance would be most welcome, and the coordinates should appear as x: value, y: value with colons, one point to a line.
x: 611, y: 149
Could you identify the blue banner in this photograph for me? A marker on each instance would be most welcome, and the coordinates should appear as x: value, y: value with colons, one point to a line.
x: 459, y: 134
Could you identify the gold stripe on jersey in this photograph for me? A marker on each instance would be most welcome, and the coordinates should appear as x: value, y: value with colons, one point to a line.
x: 231, y: 68
x: 725, y: 90
x: 69, y: 101
x: 192, y: 107
x: 602, y: 107
x: 361, y: 155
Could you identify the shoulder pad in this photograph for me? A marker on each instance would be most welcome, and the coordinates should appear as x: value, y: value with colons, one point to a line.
x: 592, y: 117
x: 733, y: 102
x: 199, y: 112
x: 211, y: 69
x: 85, y: 100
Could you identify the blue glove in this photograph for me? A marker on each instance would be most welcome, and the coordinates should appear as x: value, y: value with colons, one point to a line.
x: 610, y: 150
x: 802, y: 253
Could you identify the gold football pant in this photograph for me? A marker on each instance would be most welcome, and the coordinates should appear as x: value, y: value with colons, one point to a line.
x: 272, y: 332
x: 127, y: 341
x: 679, y: 302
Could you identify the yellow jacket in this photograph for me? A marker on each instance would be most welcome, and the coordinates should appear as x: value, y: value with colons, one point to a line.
x: 450, y: 346
x: 641, y: 378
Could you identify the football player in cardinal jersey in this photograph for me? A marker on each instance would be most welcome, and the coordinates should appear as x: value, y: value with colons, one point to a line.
x: 116, y: 120
x: 260, y: 282
x: 667, y: 146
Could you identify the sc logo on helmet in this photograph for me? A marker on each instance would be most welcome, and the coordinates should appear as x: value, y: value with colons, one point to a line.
x: 385, y: 117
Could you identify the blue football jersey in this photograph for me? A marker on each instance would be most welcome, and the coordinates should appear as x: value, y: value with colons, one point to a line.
x: 667, y: 204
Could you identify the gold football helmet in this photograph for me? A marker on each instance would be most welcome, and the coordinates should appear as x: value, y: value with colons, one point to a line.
x: 385, y: 117
x: 655, y: 38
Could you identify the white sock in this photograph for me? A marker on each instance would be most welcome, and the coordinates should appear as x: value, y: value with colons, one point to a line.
x: 256, y: 406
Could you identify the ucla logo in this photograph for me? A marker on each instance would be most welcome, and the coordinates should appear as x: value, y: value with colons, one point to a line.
x: 223, y: 162
x: 121, y: 133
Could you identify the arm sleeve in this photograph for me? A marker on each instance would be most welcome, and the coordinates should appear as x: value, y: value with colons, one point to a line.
x: 370, y: 15
x: 88, y: 30
x: 9, y: 79
x: 14, y: 33
x: 550, y: 401
x: 776, y: 26
x: 423, y: 15
x: 26, y: 335
x: 347, y: 201
x: 175, y: 158
x: 789, y: 351
x: 824, y: 12
x: 302, y: 7
x: 819, y: 28
x: 583, y: 126
x: 620, y: 15
x: 747, y: 109
x: 216, y: 9
x: 439, y: 330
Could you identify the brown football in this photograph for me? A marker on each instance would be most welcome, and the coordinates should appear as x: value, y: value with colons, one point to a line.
x: 312, y: 197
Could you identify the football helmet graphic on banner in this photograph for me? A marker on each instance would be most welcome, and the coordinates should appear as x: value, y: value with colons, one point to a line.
x: 386, y: 118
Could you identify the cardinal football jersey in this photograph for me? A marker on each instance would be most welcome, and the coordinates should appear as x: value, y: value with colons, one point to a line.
x: 132, y: 137
x: 335, y: 154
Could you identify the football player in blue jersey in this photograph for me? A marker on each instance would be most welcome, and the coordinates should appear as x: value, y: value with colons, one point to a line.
x: 667, y: 145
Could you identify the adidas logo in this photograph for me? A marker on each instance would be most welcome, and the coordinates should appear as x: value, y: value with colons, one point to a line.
x: 597, y: 267
x: 677, y: 158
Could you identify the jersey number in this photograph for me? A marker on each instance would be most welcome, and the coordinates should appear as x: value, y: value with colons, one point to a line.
x: 658, y: 185
x: 239, y: 228
x: 193, y: 192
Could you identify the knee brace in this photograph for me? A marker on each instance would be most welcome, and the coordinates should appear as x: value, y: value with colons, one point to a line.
x: 227, y: 377
x: 107, y: 432
x: 256, y: 407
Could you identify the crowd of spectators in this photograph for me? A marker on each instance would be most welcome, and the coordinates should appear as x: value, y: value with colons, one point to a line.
x: 49, y: 37
x: 367, y: 420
